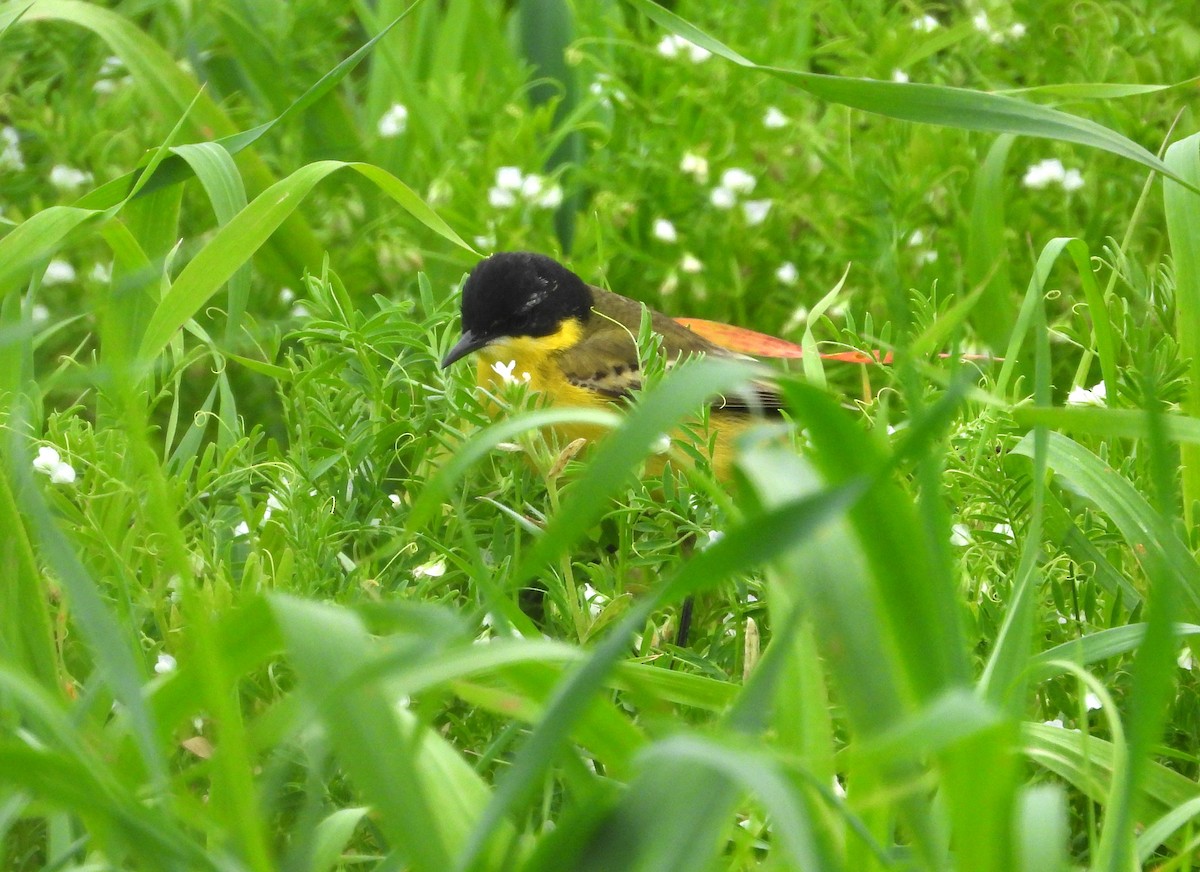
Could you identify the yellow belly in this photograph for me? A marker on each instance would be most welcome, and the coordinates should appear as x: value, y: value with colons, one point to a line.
x: 545, y: 377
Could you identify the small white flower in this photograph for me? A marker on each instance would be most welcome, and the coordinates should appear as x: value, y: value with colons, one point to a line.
x: 1185, y: 659
x: 595, y: 600
x: 433, y: 569
x: 58, y: 272
x: 485, y: 242
x: 981, y: 22
x: 1057, y: 722
x: 505, y: 371
x: 105, y: 86
x: 960, y: 535
x: 756, y: 211
x: 501, y: 198
x: 1072, y: 180
x: 395, y: 500
x: 1092, y: 702
x: 668, y: 47
x: 550, y: 198
x: 775, y: 119
x: 67, y: 178
x: 917, y: 237
x: 101, y: 273
x: 10, y: 149
x: 927, y: 256
x: 394, y: 121
x: 694, y: 165
x: 39, y: 313
x: 1044, y: 173
x: 661, y: 445
x: 347, y: 562
x: 509, y: 178
x: 242, y: 529
x: 926, y: 24
x: 47, y: 458
x: 111, y: 66
x: 839, y: 789
x: 63, y: 473
x: 799, y: 316
x: 711, y: 539
x: 788, y: 274
x: 691, y: 265
x: 531, y: 186
x: 1004, y: 530
x: 164, y: 664
x: 1081, y: 396
x: 300, y: 311
x: 1016, y: 30
x: 738, y: 180
x: 722, y: 197
x: 899, y: 76
x: 664, y: 230
x: 671, y: 46
x: 286, y: 295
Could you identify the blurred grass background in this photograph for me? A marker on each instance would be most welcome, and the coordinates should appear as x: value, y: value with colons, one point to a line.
x: 279, y: 595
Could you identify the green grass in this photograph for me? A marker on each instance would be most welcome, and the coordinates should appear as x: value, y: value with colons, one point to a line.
x: 290, y: 596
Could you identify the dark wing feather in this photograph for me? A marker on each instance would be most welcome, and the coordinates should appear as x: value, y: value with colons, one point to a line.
x: 606, y: 359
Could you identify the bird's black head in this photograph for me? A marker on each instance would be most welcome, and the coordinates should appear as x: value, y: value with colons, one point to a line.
x: 517, y: 293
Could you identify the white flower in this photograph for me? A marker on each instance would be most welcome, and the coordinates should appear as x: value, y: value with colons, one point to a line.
x: 671, y: 45
x: 1072, y: 180
x: 242, y: 529
x: 981, y: 22
x: 899, y: 76
x: 394, y: 121
x: 509, y: 178
x: 48, y: 462
x: 691, y: 265
x: 58, y: 272
x: 775, y: 119
x: 39, y: 313
x: 738, y: 180
x: 67, y: 178
x: 756, y: 211
x: 505, y: 371
x: 299, y: 311
x: 1016, y: 30
x: 711, y: 538
x: 550, y: 198
x: 960, y: 535
x: 1095, y: 396
x: 694, y: 165
x: 661, y: 445
x: 722, y: 197
x: 927, y: 256
x: 839, y: 789
x: 917, y: 237
x: 395, y: 500
x: 501, y: 198
x: 926, y: 24
x: 595, y: 600
x: 10, y: 149
x: 433, y: 569
x: 287, y: 295
x: 664, y: 230
x: 1057, y: 722
x: 1092, y: 701
x: 1044, y: 173
x: 111, y: 66
x: 347, y: 561
x: 1185, y: 659
x: 798, y: 317
x: 101, y: 273
x: 788, y: 274
x: 105, y: 86
x: 531, y: 186
x: 1004, y: 530
x: 164, y: 664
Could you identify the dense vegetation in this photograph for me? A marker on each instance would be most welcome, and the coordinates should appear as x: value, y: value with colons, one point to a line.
x: 277, y: 592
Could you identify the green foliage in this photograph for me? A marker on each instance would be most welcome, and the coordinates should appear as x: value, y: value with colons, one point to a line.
x: 279, y: 592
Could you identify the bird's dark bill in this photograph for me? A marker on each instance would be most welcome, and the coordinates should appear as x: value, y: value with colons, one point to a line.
x: 468, y: 343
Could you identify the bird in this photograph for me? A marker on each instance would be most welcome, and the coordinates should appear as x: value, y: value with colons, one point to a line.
x: 524, y: 312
